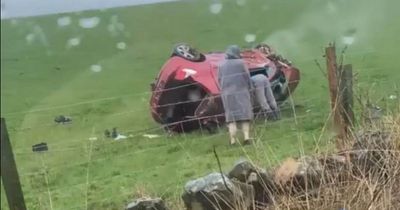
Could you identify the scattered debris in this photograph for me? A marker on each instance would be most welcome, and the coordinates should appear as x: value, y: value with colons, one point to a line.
x: 41, y: 147
x: 151, y: 136
x: 93, y: 138
x: 61, y: 119
x: 114, y: 134
x: 120, y: 137
x: 107, y: 133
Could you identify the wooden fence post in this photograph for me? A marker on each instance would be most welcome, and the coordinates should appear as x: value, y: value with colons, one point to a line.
x: 346, y: 99
x: 9, y: 173
x: 330, y: 53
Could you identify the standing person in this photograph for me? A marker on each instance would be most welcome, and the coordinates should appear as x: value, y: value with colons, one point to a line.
x: 235, y: 85
x: 265, y: 97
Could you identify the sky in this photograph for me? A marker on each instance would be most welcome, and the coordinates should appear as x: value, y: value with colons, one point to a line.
x: 26, y: 8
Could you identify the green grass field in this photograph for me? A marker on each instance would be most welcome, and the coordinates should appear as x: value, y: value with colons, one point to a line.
x: 44, y: 78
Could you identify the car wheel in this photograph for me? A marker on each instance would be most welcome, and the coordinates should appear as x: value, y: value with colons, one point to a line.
x: 264, y: 48
x: 186, y: 52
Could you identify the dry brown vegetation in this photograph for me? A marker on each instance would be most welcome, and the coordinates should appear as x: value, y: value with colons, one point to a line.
x: 366, y: 178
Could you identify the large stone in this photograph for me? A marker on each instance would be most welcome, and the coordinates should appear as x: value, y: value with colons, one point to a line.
x: 295, y: 176
x: 260, y: 179
x: 147, y: 204
x: 217, y: 191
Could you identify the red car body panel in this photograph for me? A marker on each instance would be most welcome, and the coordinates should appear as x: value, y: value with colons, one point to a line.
x: 205, y: 75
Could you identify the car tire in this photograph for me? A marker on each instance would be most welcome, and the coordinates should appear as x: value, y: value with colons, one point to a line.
x: 187, y: 52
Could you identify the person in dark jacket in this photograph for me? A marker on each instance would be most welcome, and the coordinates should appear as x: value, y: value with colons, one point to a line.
x: 235, y: 85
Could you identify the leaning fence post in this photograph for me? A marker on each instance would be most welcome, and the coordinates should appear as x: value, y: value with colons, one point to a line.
x: 330, y: 53
x: 9, y: 173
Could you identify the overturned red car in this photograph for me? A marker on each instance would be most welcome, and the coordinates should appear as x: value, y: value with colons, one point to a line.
x: 186, y: 96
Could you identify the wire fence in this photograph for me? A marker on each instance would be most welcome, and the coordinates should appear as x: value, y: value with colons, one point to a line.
x: 212, y: 97
x: 99, y: 100
x: 88, y: 147
x: 49, y: 171
x: 87, y: 157
x: 124, y: 155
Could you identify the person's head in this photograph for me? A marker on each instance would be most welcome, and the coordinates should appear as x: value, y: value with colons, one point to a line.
x: 233, y: 52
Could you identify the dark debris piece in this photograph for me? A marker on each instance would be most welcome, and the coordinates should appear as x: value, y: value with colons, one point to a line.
x: 62, y: 119
x: 107, y: 133
x: 114, y: 133
x: 41, y: 147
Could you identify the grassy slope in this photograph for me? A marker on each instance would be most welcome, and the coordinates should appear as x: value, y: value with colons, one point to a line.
x: 30, y: 81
